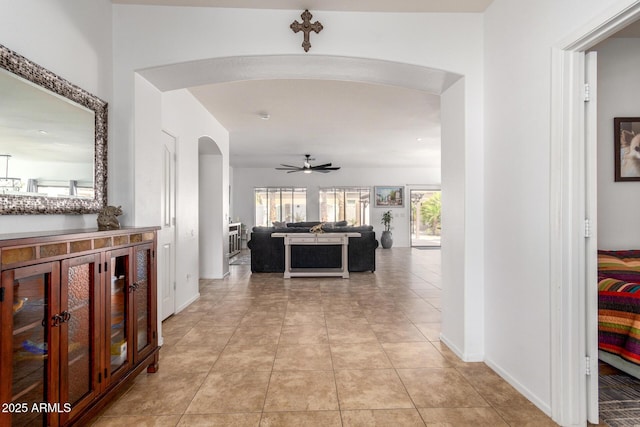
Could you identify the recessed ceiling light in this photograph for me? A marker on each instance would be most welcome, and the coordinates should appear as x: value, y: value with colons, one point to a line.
x: 43, y: 132
x: 265, y: 116
x: 419, y: 139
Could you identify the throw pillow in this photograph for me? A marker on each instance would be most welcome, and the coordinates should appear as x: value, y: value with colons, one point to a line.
x: 279, y: 224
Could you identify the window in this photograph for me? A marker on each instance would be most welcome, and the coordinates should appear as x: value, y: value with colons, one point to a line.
x: 349, y: 204
x: 280, y: 204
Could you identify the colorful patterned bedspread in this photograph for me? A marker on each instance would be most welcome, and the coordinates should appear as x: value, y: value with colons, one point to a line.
x: 619, y: 318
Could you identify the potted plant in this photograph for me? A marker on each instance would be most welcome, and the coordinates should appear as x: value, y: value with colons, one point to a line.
x: 386, y: 239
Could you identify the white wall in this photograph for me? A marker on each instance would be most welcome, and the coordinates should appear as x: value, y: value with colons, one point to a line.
x: 246, y: 179
x: 516, y: 205
x: 618, y: 95
x: 182, y: 116
x: 463, y: 318
x: 213, y: 241
x: 71, y: 38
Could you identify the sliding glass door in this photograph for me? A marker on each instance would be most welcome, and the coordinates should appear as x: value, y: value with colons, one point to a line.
x: 425, y: 217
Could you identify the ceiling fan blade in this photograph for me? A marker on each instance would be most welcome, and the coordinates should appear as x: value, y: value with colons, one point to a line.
x: 321, y: 166
x: 324, y: 168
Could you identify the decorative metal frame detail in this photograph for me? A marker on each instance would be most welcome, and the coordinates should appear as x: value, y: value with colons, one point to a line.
x: 23, y: 205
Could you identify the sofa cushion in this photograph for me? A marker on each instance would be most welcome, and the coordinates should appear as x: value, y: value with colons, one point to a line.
x: 262, y: 229
x: 350, y: 229
x: 305, y: 224
x: 332, y: 225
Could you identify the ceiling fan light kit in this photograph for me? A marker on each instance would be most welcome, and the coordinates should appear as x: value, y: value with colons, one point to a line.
x: 307, y: 168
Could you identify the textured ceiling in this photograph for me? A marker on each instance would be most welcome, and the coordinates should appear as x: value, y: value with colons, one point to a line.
x: 349, y: 124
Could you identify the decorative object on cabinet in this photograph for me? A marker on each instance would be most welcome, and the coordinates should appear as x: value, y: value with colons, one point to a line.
x: 78, y: 321
x: 74, y: 129
x: 626, y: 156
x: 108, y: 218
x: 389, y: 196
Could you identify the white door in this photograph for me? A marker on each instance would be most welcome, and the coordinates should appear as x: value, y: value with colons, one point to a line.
x: 591, y: 242
x: 167, y: 233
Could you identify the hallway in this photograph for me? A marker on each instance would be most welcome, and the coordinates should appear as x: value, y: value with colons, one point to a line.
x: 262, y: 350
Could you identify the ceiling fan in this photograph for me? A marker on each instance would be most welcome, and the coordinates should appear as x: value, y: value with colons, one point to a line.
x: 307, y: 168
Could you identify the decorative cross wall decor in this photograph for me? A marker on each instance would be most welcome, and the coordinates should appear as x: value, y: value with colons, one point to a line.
x: 306, y: 27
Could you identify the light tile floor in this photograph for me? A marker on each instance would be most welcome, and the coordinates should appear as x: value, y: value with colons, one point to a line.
x: 259, y: 350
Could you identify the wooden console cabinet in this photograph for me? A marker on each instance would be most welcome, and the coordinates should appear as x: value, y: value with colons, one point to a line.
x: 78, y: 320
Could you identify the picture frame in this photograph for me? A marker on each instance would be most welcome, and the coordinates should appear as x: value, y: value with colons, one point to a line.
x: 626, y: 137
x: 389, y: 196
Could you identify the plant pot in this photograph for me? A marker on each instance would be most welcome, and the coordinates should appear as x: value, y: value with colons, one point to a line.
x: 386, y: 239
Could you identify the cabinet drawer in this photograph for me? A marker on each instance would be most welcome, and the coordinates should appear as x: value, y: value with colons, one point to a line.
x: 295, y: 240
x: 330, y: 240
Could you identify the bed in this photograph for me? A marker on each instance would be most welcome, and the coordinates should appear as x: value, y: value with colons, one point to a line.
x: 619, y: 309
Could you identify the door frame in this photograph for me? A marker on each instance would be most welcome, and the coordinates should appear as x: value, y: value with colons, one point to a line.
x: 567, y: 254
x: 161, y: 233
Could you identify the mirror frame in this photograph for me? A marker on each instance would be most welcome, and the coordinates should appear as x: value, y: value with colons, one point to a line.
x: 40, y: 76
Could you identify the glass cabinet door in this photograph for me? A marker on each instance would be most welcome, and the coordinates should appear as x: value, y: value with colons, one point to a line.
x: 32, y: 294
x: 78, y: 333
x: 117, y: 312
x: 142, y: 300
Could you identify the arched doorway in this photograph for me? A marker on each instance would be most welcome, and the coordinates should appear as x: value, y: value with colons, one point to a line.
x: 462, y: 324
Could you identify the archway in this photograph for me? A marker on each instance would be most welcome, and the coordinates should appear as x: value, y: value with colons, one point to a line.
x: 462, y: 273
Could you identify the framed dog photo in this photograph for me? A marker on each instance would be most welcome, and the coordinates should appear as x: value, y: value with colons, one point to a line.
x: 627, y: 148
x: 389, y: 196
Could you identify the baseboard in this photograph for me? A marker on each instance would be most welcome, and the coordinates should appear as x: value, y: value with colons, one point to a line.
x: 187, y: 304
x: 466, y: 357
x: 521, y: 389
x: 452, y: 346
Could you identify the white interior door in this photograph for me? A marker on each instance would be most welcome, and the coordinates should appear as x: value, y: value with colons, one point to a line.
x: 591, y: 242
x: 167, y: 233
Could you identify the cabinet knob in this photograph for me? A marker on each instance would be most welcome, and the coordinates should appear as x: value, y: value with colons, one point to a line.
x: 56, y: 319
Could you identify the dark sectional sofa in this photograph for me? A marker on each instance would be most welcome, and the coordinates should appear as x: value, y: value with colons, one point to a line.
x: 267, y: 253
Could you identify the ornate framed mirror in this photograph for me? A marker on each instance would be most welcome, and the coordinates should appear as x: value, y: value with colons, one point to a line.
x: 53, y: 142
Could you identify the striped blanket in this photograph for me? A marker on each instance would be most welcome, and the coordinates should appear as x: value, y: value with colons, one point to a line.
x: 619, y: 318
